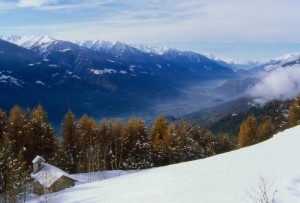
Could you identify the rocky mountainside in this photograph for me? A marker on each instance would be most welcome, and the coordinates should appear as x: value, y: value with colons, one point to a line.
x: 282, y: 61
x: 98, y: 78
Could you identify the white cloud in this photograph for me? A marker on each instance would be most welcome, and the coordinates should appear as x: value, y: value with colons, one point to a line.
x: 207, y: 20
x: 83, y: 5
x: 34, y: 3
x: 281, y: 83
x: 163, y: 21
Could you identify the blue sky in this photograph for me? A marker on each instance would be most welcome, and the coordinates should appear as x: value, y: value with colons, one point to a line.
x: 249, y: 29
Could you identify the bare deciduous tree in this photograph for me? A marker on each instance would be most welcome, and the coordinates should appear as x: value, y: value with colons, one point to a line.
x: 264, y: 192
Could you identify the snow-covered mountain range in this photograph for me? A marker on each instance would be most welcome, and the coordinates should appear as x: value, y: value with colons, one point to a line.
x: 30, y: 41
x: 85, y: 75
x: 235, y: 64
x: 42, y: 42
x: 106, y: 45
x: 281, y: 61
x: 119, y: 52
x: 119, y: 77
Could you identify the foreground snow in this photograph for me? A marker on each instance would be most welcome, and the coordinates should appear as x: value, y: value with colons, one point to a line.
x: 226, y: 178
x: 83, y: 178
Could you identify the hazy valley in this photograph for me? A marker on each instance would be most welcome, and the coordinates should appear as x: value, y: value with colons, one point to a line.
x: 105, y: 79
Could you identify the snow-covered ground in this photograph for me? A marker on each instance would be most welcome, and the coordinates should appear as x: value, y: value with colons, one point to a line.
x: 226, y: 178
x: 83, y: 178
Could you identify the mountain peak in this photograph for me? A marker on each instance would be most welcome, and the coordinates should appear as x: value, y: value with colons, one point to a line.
x: 287, y: 57
x: 153, y: 50
x: 230, y: 60
x: 233, y: 62
x: 29, y: 41
x: 95, y: 44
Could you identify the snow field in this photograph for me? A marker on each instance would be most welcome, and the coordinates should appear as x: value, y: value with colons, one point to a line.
x: 226, y: 178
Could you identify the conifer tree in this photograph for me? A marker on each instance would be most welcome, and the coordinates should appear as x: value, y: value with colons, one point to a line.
x: 143, y: 146
x: 69, y: 132
x: 137, y: 148
x: 19, y: 177
x: 186, y: 141
x: 7, y: 157
x: 198, y: 142
x: 294, y: 112
x: 103, y: 139
x: 209, y: 143
x: 160, y: 139
x: 179, y: 135
x: 3, y: 124
x: 41, y: 136
x: 16, y: 125
x: 265, y: 129
x: 247, y: 135
x: 130, y: 139
x: 116, y: 145
x: 223, y: 144
x: 86, y: 146
x: 171, y: 144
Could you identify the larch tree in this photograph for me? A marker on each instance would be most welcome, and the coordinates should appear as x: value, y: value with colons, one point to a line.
x: 16, y: 127
x: 42, y: 139
x: 116, y: 145
x: 87, y: 139
x: 69, y: 132
x: 247, y: 135
x: 265, y: 129
x: 130, y: 139
x: 160, y: 140
x: 103, y: 135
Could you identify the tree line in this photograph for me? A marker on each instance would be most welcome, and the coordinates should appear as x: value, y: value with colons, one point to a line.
x: 254, y: 130
x: 86, y: 145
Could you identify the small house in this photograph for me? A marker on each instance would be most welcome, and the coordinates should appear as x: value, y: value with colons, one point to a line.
x: 48, y: 178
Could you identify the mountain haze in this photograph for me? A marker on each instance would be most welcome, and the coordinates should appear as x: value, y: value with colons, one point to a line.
x: 99, y: 78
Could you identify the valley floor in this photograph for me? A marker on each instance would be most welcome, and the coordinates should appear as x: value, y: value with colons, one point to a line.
x: 228, y: 178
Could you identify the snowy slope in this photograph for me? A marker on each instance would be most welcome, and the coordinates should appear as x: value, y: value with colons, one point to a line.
x: 95, y: 45
x: 273, y: 64
x: 287, y: 58
x: 29, y: 41
x: 152, y: 50
x: 226, y: 178
x: 99, y: 45
x: 236, y: 64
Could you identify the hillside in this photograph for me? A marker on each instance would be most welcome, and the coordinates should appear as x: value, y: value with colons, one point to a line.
x: 103, y: 80
x: 225, y: 178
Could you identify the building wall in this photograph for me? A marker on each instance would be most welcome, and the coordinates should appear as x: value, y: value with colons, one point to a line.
x: 62, y: 183
x: 38, y: 188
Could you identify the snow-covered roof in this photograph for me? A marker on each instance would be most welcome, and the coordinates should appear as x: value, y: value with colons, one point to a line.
x: 48, y: 175
x: 37, y: 158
